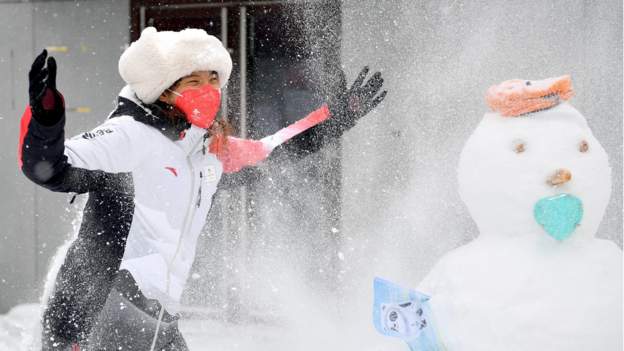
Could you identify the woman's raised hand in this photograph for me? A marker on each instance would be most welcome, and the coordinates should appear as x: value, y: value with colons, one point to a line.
x: 46, y: 102
x: 348, y: 106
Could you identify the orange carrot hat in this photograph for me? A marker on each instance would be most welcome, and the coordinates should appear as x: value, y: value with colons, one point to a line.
x: 516, y: 97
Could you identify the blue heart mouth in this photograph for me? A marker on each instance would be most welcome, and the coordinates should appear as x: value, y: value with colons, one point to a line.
x: 559, y: 215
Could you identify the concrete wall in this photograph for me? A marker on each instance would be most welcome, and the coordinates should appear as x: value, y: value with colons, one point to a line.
x: 401, y: 210
x: 89, y: 36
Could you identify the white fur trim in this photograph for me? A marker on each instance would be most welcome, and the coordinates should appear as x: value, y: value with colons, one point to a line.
x: 157, y: 59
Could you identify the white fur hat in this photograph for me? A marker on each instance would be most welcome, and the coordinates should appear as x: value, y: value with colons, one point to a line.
x: 157, y: 59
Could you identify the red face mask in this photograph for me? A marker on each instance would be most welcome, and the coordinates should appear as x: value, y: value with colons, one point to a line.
x: 199, y: 105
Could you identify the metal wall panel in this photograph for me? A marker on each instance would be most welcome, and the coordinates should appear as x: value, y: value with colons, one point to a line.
x: 17, y: 221
x: 87, y: 38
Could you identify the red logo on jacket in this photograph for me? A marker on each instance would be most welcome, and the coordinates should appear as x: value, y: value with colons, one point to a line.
x: 173, y: 170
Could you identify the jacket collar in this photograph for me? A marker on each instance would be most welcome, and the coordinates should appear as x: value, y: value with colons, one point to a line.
x: 129, y: 105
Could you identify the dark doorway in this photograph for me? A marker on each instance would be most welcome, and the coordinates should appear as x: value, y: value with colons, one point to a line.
x: 281, y: 54
x: 279, y: 50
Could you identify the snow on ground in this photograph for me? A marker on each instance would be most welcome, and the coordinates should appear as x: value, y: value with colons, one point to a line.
x: 20, y: 324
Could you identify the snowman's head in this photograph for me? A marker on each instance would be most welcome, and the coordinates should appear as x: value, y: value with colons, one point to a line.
x: 510, y: 163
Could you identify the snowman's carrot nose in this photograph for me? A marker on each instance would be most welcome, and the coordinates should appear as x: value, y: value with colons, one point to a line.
x: 561, y: 176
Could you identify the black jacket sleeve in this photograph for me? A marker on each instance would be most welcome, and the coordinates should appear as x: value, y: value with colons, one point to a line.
x: 42, y: 159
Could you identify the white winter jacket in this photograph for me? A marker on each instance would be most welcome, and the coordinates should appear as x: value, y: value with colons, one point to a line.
x: 150, y: 188
x: 174, y: 182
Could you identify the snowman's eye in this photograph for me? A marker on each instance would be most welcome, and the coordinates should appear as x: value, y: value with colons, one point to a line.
x: 583, y: 146
x: 519, y: 146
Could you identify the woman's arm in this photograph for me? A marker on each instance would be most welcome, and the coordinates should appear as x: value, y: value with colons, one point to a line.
x: 77, y: 165
x: 344, y: 108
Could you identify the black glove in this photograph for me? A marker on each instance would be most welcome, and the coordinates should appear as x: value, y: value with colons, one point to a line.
x: 348, y: 106
x: 46, y: 103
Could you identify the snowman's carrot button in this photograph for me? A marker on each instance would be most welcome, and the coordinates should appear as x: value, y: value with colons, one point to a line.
x: 519, y: 146
x: 584, y: 146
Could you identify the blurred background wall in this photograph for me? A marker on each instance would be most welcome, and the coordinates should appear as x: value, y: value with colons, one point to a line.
x: 87, y: 38
x: 318, y: 228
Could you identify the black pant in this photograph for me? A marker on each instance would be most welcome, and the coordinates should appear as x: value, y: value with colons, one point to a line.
x: 127, y: 321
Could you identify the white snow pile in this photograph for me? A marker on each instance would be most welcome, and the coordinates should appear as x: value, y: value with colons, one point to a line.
x: 17, y: 327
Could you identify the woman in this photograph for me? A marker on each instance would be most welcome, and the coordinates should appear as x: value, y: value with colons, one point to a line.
x: 150, y: 171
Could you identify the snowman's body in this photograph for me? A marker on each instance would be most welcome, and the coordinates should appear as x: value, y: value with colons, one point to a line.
x: 515, y: 287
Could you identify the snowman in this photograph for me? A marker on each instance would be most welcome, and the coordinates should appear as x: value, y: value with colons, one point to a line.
x: 537, y: 183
